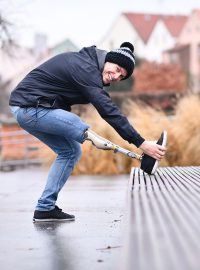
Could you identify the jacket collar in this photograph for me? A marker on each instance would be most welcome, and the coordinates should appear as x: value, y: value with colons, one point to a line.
x: 101, y: 55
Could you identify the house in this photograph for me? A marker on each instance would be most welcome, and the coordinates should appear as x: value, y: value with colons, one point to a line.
x: 14, y: 63
x: 151, y: 34
x: 186, y: 51
x: 65, y: 46
x: 17, y: 61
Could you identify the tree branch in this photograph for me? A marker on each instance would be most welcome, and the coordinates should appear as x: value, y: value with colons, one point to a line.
x: 5, y: 33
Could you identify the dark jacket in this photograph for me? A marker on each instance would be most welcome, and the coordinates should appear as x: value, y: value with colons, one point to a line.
x: 73, y: 78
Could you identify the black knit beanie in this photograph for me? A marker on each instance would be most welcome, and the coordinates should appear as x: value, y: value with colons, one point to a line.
x: 124, y: 57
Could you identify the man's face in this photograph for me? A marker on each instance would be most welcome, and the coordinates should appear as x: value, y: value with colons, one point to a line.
x: 113, y: 73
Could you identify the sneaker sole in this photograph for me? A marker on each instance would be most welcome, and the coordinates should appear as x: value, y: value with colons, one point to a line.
x: 52, y: 220
x: 163, y: 144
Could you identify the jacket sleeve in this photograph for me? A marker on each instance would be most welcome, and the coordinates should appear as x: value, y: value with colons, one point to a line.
x: 101, y: 100
x: 111, y: 114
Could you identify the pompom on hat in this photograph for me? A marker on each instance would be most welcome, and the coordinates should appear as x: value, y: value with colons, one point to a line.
x: 124, y: 57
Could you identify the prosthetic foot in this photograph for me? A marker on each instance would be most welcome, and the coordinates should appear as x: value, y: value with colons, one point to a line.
x: 148, y: 164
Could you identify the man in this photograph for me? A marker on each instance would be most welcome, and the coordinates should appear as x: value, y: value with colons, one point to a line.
x: 41, y: 104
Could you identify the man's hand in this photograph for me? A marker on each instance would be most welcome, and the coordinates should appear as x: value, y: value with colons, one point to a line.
x: 152, y: 149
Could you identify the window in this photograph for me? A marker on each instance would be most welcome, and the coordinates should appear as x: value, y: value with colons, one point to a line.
x: 174, y: 59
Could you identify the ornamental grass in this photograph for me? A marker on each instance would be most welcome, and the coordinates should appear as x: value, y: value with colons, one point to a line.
x: 183, y: 127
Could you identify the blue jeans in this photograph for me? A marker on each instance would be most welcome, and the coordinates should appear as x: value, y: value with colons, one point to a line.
x: 63, y: 132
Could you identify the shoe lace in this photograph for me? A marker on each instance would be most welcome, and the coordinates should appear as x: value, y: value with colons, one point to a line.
x: 59, y: 209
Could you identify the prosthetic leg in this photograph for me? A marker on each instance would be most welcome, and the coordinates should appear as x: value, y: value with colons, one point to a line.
x: 148, y: 164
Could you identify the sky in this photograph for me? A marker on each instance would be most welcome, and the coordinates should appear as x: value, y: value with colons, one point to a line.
x: 84, y: 22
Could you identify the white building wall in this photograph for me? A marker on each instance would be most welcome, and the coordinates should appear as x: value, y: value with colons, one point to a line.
x: 13, y: 62
x: 160, y: 40
x: 191, y: 35
x: 121, y: 31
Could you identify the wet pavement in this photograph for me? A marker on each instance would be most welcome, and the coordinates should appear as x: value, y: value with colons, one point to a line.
x: 93, y: 241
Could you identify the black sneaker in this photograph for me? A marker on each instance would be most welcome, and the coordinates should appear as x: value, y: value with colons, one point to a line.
x: 53, y: 215
x: 149, y: 164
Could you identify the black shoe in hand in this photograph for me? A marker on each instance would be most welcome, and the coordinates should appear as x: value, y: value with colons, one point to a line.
x: 150, y: 164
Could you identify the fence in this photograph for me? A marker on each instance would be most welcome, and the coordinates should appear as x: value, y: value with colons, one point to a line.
x: 19, y: 149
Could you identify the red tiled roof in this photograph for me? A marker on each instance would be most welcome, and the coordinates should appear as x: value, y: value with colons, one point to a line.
x: 174, y: 23
x: 144, y: 23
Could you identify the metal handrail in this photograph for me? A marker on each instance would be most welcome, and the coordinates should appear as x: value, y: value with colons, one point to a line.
x: 13, y: 133
x: 8, y: 140
x: 20, y: 141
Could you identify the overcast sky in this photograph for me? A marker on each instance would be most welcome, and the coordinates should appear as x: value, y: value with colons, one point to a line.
x: 85, y: 22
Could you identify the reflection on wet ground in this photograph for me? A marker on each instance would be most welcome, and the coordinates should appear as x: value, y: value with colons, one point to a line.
x: 58, y: 251
x: 92, y: 241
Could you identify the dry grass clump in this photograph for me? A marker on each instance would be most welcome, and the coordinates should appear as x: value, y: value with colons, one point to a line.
x: 183, y: 137
x: 183, y: 130
x: 184, y: 140
x: 96, y: 161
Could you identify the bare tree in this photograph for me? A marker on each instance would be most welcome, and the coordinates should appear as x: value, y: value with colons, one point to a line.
x: 4, y: 97
x: 6, y: 41
x: 5, y: 32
